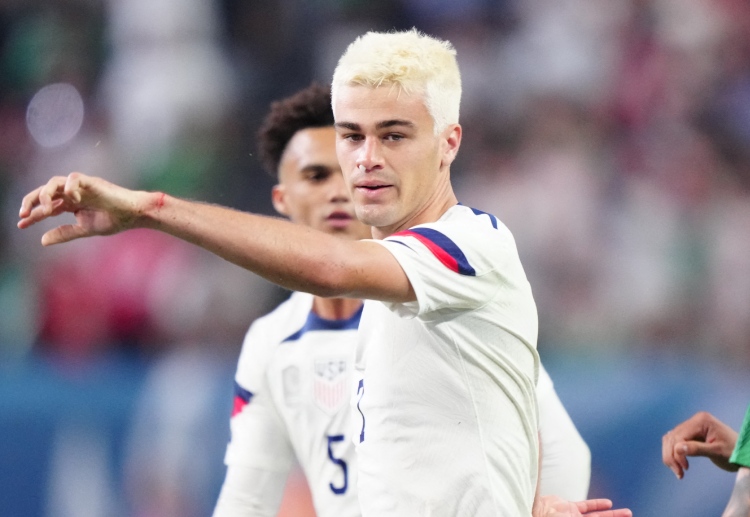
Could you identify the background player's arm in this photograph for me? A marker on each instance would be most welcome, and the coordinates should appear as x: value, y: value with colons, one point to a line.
x: 566, y: 462
x: 259, y: 459
x: 259, y: 455
x: 290, y: 255
x: 250, y: 492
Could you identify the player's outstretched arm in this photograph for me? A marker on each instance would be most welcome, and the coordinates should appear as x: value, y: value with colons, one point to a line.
x: 290, y: 255
x: 553, y: 506
x: 700, y: 435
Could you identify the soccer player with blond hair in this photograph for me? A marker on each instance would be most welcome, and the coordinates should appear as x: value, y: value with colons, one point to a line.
x: 447, y: 338
x: 297, y: 362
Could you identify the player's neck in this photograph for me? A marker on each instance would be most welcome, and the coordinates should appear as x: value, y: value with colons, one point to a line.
x: 335, y: 308
x: 432, y: 210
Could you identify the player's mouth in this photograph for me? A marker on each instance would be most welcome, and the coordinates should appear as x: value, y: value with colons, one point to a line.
x: 372, y: 190
x: 339, y: 219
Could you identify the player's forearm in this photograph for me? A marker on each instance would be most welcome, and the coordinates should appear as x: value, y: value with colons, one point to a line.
x: 289, y: 255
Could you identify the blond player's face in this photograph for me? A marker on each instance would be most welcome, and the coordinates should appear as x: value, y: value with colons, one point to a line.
x: 390, y: 155
x: 311, y: 189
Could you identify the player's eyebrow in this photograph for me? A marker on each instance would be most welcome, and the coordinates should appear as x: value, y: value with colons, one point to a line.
x: 394, y: 122
x: 380, y: 125
x: 351, y: 126
x: 315, y: 167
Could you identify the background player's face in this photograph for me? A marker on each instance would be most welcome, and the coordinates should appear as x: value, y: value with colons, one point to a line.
x: 391, y: 134
x: 311, y: 189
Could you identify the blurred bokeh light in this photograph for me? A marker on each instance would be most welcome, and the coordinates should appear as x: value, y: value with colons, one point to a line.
x: 55, y: 114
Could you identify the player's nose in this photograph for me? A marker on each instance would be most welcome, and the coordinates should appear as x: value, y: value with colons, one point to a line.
x: 370, y: 154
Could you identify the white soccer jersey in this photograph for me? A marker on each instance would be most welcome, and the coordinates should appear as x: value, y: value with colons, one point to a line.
x: 293, y: 388
x: 447, y: 411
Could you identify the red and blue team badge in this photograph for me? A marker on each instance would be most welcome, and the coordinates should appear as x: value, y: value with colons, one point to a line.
x: 331, y: 389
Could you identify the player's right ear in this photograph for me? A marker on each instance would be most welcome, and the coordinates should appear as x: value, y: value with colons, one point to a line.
x: 278, y: 198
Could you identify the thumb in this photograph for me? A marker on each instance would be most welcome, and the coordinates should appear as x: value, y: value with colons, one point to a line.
x: 64, y: 233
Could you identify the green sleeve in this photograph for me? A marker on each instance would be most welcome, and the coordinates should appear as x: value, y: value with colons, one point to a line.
x: 741, y: 454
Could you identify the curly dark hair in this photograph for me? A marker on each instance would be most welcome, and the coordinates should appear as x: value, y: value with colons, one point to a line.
x: 310, y: 107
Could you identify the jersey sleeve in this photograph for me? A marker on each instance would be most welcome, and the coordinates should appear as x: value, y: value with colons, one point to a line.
x: 259, y: 438
x: 450, y: 266
x: 566, y: 459
x: 741, y: 454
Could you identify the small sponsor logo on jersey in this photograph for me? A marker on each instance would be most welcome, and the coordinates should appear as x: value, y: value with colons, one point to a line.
x: 291, y: 385
x: 331, y: 386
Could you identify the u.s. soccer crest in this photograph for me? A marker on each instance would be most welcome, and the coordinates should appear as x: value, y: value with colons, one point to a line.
x: 331, y: 389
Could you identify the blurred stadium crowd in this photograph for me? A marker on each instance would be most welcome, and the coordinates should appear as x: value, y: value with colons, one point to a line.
x: 614, y: 141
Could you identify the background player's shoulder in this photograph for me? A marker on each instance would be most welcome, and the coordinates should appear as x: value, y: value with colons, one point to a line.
x: 267, y: 333
x: 275, y: 326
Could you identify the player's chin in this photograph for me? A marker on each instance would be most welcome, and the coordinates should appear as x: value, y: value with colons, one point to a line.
x: 377, y: 215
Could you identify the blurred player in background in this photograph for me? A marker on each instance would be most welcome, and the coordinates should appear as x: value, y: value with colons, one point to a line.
x: 705, y: 435
x: 293, y: 380
x: 448, y: 414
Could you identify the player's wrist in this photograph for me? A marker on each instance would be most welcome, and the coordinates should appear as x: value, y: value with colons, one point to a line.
x: 148, y: 209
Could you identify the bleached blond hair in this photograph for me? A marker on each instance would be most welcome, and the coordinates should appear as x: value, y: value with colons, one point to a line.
x: 411, y: 61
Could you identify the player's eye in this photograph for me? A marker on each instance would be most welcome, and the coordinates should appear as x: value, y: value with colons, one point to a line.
x: 394, y: 137
x: 317, y: 174
x: 354, y: 137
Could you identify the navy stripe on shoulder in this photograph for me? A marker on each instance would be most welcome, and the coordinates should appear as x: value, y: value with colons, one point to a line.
x: 493, y: 219
x: 315, y: 322
x: 443, y: 248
